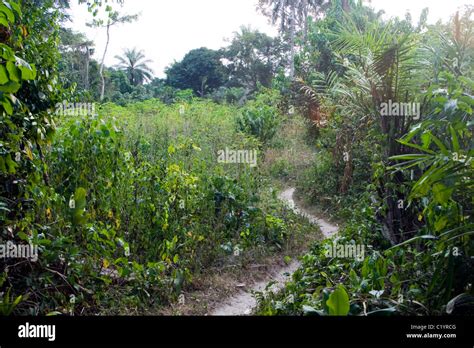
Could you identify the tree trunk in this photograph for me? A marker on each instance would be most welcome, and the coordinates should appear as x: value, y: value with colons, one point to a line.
x: 101, y: 70
x: 345, y: 5
x: 305, y: 26
x: 88, y: 58
x: 292, y: 42
x: 203, y: 86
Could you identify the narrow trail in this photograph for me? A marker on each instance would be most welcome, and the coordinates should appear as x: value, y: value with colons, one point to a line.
x: 244, y: 302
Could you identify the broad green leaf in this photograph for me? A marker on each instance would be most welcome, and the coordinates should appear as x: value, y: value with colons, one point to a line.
x: 423, y: 185
x: 414, y: 131
x: 13, y: 72
x: 10, y: 87
x: 454, y: 139
x: 442, y: 194
x: 6, y: 52
x: 440, y: 223
x: 80, y: 203
x: 11, y: 165
x: 7, y: 106
x: 338, y: 302
x: 4, y: 21
x: 78, y: 217
x: 80, y: 198
x: 418, y: 147
x: 426, y: 139
x: 16, y: 8
x: 441, y: 146
x: 365, y: 268
x: 27, y: 74
x: 3, y: 75
x: 7, y: 12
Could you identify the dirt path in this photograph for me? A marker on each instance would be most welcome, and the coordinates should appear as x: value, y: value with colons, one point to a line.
x: 243, y: 302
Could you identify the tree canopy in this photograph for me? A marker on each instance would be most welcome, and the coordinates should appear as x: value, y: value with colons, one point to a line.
x: 134, y: 64
x: 200, y: 70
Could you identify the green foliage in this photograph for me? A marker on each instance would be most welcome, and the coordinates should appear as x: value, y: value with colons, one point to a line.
x: 28, y: 89
x: 126, y: 206
x: 136, y: 203
x: 134, y: 64
x: 253, y: 59
x: 232, y: 95
x: 260, y: 117
x: 77, y: 69
x: 415, y: 174
x: 200, y: 70
x: 444, y: 187
x: 338, y: 302
x: 7, y: 304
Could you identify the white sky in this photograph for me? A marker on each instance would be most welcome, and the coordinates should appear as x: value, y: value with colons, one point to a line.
x: 167, y: 29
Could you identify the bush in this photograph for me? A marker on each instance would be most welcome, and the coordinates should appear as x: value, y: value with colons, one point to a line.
x: 135, y: 204
x: 260, y: 117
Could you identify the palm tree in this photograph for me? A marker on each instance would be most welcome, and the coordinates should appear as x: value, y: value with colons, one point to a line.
x: 305, y: 8
x: 134, y: 64
x: 289, y: 13
x: 383, y: 66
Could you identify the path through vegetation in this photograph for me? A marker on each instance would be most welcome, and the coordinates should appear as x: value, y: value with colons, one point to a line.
x: 244, y: 302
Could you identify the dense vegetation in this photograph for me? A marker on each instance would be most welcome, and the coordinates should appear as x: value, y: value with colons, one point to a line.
x: 402, y: 185
x: 128, y: 203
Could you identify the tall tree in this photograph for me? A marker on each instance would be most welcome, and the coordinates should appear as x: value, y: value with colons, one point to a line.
x: 76, y: 51
x: 254, y: 58
x: 200, y: 70
x: 134, y: 64
x: 290, y: 14
x: 113, y: 18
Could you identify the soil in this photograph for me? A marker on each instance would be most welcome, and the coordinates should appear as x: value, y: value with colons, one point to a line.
x: 243, y: 302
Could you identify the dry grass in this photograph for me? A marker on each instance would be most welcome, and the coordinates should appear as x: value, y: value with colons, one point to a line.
x: 290, y: 153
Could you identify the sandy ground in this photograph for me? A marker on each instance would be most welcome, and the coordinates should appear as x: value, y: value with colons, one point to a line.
x: 243, y: 302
